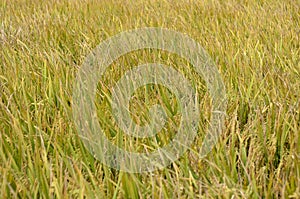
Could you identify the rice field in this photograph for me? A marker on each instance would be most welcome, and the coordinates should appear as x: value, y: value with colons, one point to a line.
x: 255, y: 47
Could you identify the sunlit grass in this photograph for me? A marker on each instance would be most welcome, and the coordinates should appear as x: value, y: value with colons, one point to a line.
x: 255, y: 45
